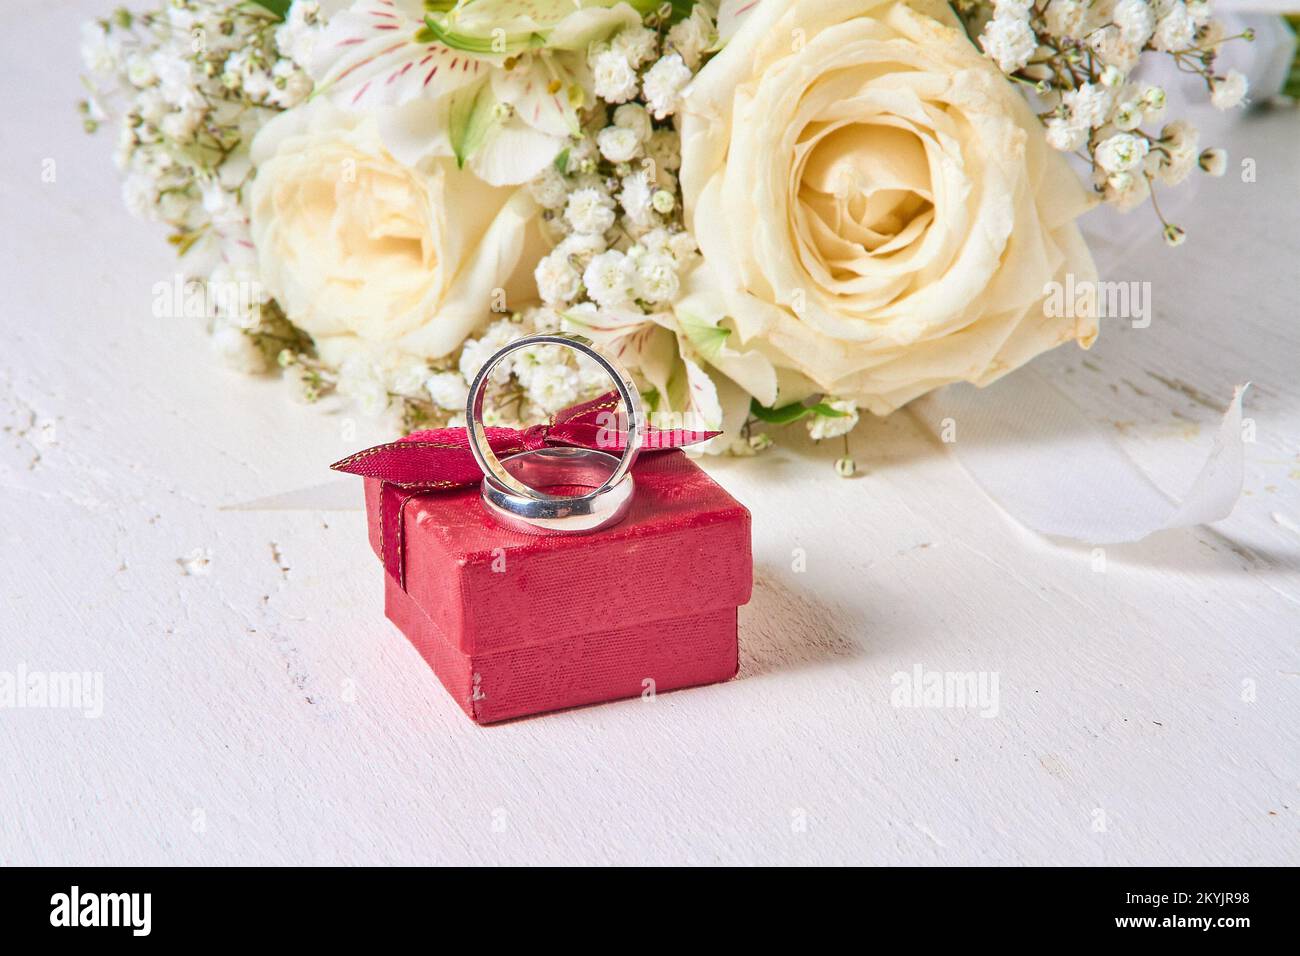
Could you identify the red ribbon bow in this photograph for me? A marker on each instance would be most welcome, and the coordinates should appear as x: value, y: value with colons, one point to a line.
x: 439, y: 459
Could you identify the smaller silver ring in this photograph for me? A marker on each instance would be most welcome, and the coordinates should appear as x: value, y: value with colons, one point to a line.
x: 548, y: 467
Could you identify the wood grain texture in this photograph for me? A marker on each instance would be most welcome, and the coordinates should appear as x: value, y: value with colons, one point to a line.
x: 259, y: 709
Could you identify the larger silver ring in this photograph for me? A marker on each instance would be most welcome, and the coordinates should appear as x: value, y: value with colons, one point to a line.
x: 503, y: 489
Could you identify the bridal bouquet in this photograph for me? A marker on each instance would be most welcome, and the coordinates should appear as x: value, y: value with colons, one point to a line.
x: 768, y: 210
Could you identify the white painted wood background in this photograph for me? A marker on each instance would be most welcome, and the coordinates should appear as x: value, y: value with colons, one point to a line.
x: 265, y: 711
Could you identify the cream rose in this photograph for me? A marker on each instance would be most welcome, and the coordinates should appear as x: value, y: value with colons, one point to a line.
x: 371, y: 256
x: 876, y: 201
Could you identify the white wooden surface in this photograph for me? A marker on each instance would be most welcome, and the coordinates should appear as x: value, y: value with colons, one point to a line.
x: 265, y: 712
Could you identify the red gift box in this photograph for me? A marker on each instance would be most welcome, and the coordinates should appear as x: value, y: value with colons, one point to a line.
x: 516, y: 624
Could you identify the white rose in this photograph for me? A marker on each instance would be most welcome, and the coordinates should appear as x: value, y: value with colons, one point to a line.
x: 368, y: 255
x: 879, y: 204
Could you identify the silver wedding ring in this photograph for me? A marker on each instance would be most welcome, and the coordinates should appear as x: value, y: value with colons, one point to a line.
x: 511, y: 488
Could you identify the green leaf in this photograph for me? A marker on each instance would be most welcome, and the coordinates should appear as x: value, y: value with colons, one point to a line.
x: 825, y: 411
x: 278, y: 8
x: 792, y: 412
x: 707, y: 338
x: 472, y: 117
x: 778, y: 416
x: 562, y: 161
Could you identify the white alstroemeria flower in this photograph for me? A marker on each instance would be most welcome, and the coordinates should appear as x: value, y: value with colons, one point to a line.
x: 495, y: 83
x: 686, y: 355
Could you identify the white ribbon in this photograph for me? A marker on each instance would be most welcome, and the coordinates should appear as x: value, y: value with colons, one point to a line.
x: 1048, y: 466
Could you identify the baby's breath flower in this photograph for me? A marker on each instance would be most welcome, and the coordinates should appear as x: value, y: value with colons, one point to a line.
x: 1174, y: 235
x: 609, y: 278
x: 637, y: 45
x: 833, y: 426
x: 558, y: 282
x: 655, y: 280
x: 1010, y: 41
x: 550, y: 189
x: 447, y: 390
x: 663, y: 201
x: 1178, y: 154
x: 1109, y: 45
x: 682, y: 247
x: 618, y: 144
x: 589, y: 210
x: 663, y: 83
x: 1065, y: 135
x: 581, y: 247
x: 614, y: 79
x: 1128, y: 116
x: 1214, y: 161
x: 690, y: 37
x: 1229, y: 90
x: 1175, y: 29
x: 1066, y: 18
x: 1153, y: 102
x: 1121, y: 152
x: 635, y: 117
x: 1136, y: 21
x: 552, y: 385
x: 637, y: 200
x: 1089, y: 105
x: 665, y: 149
x: 237, y: 349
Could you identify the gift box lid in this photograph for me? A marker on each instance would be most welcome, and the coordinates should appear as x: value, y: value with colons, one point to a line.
x: 683, y: 548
